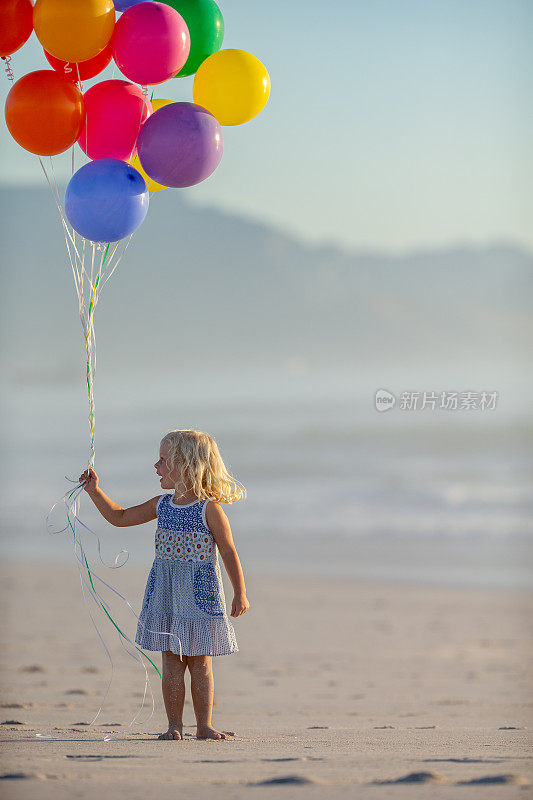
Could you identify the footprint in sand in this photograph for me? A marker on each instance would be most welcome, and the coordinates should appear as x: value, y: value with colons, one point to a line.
x: 413, y: 777
x: 16, y: 705
x: 10, y: 776
x: 76, y: 691
x: 296, y: 758
x: 488, y: 779
x: 85, y: 757
x: 425, y: 727
x: 33, y: 668
x: 287, y: 780
x: 99, y: 757
x: 512, y: 728
x: 467, y: 760
x: 452, y: 701
x: 288, y: 758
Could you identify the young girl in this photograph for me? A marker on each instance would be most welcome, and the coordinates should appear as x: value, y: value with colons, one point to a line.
x: 184, y: 608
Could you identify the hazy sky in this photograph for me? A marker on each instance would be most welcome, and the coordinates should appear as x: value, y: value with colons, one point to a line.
x: 392, y: 124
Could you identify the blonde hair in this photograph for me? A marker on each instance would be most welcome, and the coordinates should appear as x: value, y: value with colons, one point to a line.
x: 197, y: 453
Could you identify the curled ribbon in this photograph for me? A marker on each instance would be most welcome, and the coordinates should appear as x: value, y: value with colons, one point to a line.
x: 71, y: 500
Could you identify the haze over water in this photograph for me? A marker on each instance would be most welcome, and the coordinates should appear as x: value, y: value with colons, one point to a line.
x: 333, y: 486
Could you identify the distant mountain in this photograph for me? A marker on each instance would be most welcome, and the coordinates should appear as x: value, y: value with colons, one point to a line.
x: 199, y: 287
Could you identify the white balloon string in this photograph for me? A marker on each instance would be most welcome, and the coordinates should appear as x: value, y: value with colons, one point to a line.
x: 74, y: 271
x: 83, y: 266
x: 72, y: 506
x: 66, y: 230
x: 87, y: 301
x: 99, y: 600
x: 119, y: 259
x: 71, y: 500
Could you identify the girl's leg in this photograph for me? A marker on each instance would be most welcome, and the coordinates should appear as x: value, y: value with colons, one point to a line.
x: 173, y: 693
x: 202, y: 690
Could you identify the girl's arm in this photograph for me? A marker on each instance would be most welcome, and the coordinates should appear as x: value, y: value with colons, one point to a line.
x: 111, y: 511
x: 218, y: 524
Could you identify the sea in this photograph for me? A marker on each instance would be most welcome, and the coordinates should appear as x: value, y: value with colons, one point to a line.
x: 334, y: 486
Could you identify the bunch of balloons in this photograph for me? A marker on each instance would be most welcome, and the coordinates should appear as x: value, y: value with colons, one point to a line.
x: 134, y: 145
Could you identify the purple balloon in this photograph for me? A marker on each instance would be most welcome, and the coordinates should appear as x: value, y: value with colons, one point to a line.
x: 123, y: 5
x: 180, y: 144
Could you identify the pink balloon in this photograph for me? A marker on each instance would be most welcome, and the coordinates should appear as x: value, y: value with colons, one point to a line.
x: 116, y: 111
x: 151, y: 43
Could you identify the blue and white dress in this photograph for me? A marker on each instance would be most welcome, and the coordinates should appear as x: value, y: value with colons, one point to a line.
x: 184, y: 608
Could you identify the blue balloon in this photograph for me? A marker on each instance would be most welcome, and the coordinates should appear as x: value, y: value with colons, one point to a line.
x: 106, y: 200
x: 123, y: 5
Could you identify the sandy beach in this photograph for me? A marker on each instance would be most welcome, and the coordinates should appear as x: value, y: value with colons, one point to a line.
x: 340, y: 685
x: 335, y: 286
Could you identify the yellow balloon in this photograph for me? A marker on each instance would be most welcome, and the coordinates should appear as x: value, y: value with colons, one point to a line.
x: 152, y: 186
x: 157, y: 104
x: 233, y: 85
x: 74, y: 30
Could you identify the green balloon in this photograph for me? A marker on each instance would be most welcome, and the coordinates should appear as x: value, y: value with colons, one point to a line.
x: 206, y: 27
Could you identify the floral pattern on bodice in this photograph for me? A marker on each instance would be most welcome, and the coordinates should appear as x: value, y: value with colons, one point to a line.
x: 189, y: 545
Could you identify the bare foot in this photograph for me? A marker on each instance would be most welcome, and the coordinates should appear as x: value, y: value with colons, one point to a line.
x: 207, y: 732
x: 174, y: 732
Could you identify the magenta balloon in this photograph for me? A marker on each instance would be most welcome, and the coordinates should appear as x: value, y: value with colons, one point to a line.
x: 151, y: 43
x: 116, y: 111
x: 180, y: 144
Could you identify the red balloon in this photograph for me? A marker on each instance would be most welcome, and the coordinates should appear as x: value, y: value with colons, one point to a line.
x: 45, y: 112
x: 83, y: 70
x: 116, y: 111
x: 16, y: 25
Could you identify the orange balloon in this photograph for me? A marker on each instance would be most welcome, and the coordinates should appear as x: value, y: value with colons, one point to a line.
x: 74, y: 30
x: 45, y: 112
x: 16, y: 24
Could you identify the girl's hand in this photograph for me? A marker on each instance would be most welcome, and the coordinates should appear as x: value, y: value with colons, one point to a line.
x: 240, y: 605
x: 90, y: 478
